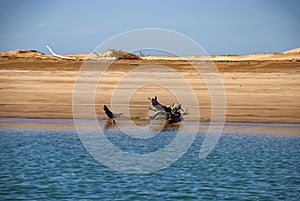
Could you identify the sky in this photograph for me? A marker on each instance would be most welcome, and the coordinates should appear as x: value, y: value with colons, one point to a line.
x: 219, y: 26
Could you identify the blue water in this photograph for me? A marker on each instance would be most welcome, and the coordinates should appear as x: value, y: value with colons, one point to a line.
x: 53, y: 164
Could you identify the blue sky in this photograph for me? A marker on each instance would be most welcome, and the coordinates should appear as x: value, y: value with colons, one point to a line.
x: 219, y: 26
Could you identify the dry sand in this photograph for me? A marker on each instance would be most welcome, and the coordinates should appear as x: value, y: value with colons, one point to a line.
x: 256, y: 90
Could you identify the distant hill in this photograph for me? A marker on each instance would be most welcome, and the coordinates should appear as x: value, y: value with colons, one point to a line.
x: 19, y: 54
x: 296, y: 50
x: 293, y: 54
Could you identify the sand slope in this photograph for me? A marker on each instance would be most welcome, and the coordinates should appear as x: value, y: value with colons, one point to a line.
x: 256, y: 91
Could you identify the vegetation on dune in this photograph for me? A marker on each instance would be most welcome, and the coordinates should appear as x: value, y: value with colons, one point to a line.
x: 118, y: 54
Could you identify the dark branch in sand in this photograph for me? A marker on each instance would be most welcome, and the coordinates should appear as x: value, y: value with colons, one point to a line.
x: 110, y: 114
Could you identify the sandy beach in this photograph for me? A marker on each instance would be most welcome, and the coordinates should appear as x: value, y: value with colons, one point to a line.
x: 256, y: 90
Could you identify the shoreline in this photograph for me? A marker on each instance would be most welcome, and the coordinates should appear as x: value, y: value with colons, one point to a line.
x: 16, y: 119
x: 279, y: 129
x: 71, y: 120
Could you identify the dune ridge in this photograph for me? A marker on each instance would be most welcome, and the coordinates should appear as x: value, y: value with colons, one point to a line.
x: 293, y: 54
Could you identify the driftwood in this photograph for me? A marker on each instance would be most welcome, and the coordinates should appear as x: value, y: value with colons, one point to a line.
x: 110, y: 114
x: 172, y: 113
x: 60, y: 56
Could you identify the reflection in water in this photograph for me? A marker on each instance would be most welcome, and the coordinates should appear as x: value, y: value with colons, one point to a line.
x: 155, y: 127
x: 109, y: 124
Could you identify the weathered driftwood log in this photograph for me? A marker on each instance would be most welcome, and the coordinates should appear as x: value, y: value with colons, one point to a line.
x: 111, y: 116
x: 108, y: 112
x: 172, y: 113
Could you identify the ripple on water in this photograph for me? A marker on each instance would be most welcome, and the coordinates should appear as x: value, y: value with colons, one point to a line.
x: 54, y: 164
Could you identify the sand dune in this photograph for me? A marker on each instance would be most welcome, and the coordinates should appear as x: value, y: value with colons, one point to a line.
x: 288, y: 55
x: 296, y: 50
x: 259, y: 87
x: 293, y: 54
x: 256, y: 91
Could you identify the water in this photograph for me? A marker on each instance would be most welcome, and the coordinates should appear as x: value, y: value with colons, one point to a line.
x: 51, y: 163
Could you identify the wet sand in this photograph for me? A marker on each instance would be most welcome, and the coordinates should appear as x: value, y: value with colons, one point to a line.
x: 256, y: 91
